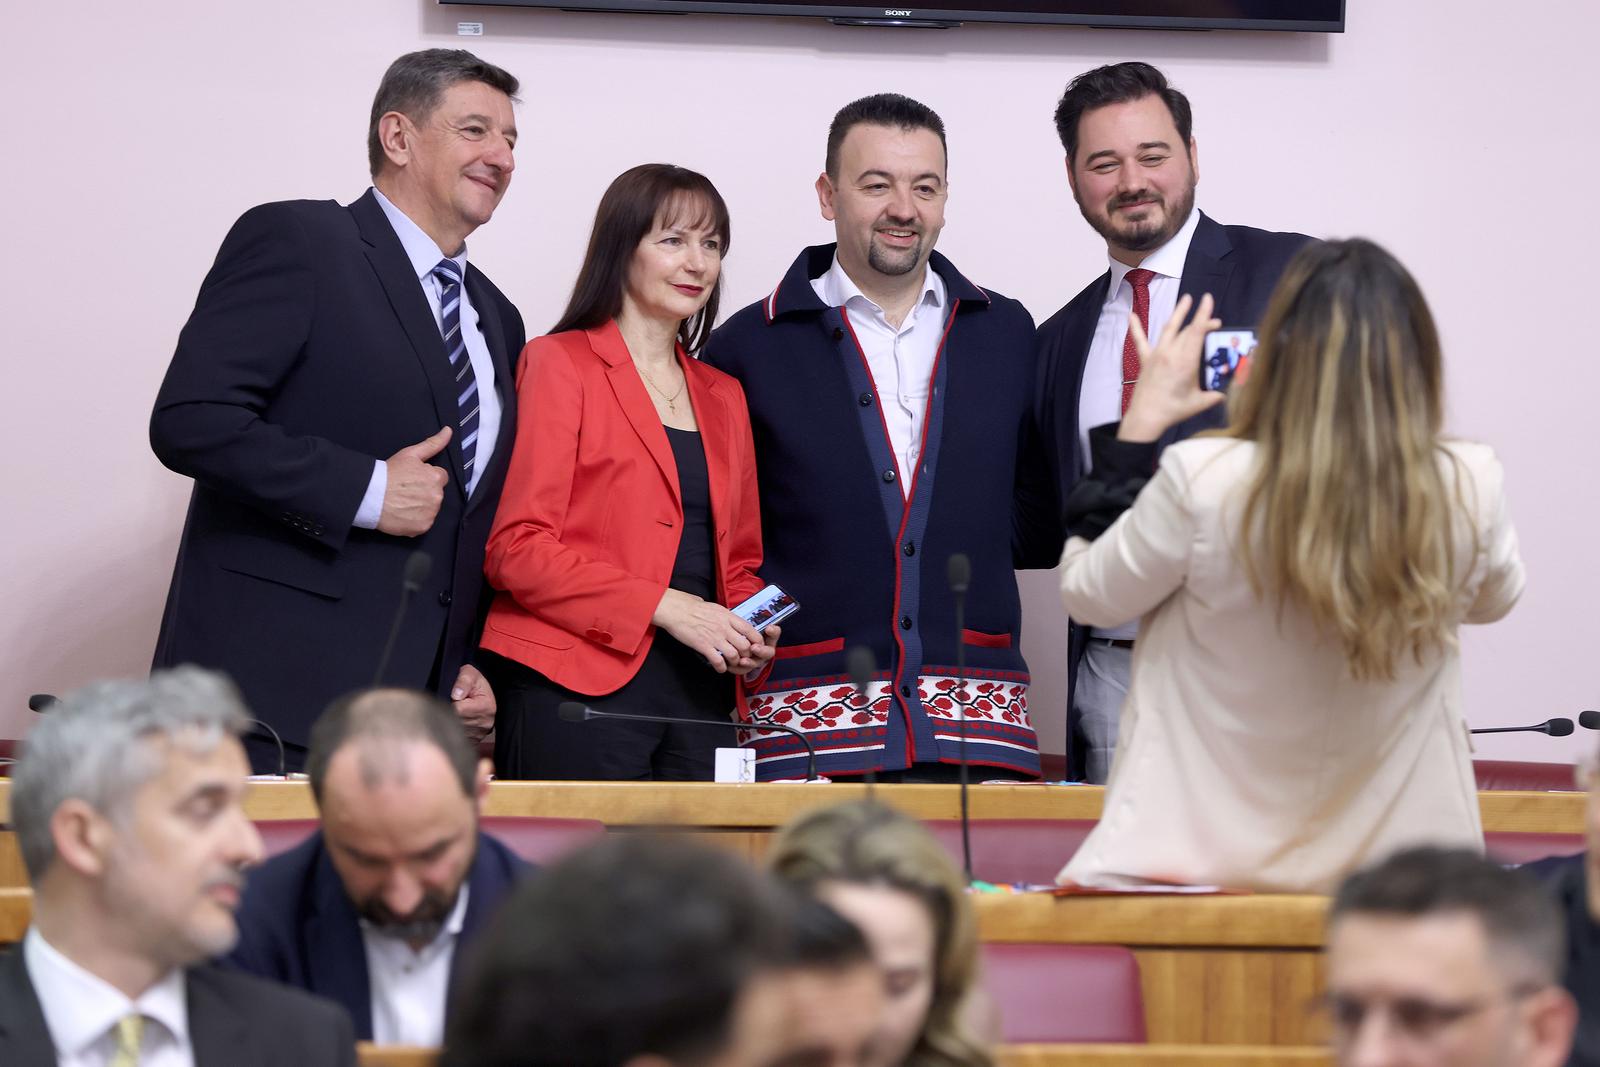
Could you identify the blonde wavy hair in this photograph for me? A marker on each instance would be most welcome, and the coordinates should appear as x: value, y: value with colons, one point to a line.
x: 864, y: 843
x: 1349, y: 516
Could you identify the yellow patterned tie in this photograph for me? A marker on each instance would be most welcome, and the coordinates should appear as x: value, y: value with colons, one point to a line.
x: 130, y: 1030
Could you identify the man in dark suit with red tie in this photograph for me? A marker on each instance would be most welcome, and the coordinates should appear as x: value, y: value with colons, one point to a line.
x: 1133, y: 165
x: 342, y: 396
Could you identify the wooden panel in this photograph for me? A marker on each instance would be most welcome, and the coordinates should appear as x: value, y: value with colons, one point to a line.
x: 1242, y: 921
x: 16, y: 911
x: 12, y: 872
x: 1155, y: 1055
x: 1016, y: 1056
x: 764, y: 806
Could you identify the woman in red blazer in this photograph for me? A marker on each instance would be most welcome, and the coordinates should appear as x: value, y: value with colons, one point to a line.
x: 629, y: 519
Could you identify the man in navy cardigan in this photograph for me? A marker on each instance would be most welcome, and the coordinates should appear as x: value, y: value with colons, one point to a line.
x: 373, y: 911
x: 890, y: 401
x: 1133, y: 166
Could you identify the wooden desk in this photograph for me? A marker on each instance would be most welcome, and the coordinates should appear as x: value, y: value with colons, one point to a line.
x: 704, y: 805
x: 1018, y: 1056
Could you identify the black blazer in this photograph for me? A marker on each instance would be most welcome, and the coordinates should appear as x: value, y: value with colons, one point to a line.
x: 312, y: 352
x: 297, y: 925
x: 234, y: 1021
x: 1239, y: 266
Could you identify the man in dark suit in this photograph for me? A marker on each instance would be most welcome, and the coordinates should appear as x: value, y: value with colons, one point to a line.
x: 375, y: 909
x: 343, y: 401
x: 1133, y: 165
x: 127, y: 810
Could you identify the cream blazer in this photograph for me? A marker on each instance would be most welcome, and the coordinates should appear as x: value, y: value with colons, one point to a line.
x: 1248, y: 756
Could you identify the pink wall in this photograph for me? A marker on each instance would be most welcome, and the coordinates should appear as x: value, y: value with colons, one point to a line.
x: 137, y: 133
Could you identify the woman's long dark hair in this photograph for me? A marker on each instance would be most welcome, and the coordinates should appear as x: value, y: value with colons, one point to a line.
x: 630, y: 208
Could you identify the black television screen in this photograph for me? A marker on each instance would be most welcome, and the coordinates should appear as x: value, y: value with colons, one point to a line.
x: 1317, y: 15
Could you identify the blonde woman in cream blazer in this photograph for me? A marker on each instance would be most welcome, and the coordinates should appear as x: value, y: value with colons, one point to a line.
x: 1253, y: 753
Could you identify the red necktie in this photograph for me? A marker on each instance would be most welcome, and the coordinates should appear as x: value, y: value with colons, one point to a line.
x: 1139, y: 278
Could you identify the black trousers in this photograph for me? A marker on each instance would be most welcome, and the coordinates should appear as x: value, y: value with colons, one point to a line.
x: 532, y: 742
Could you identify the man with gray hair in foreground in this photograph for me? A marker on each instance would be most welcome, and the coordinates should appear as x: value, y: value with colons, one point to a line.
x: 126, y: 804
x: 371, y: 910
x: 1442, y: 958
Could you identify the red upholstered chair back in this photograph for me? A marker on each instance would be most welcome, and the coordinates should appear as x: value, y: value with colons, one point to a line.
x: 1029, y: 851
x: 1522, y: 774
x: 541, y: 840
x: 8, y: 750
x: 1065, y: 993
x: 535, y: 840
x: 1517, y: 848
x: 280, y: 835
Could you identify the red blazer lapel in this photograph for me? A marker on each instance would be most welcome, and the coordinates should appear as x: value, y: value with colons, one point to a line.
x: 634, y: 401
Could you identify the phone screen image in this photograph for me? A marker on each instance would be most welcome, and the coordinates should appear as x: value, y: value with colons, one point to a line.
x: 1226, y: 358
x: 771, y: 605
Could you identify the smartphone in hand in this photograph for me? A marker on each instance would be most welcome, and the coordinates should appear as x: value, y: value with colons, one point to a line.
x: 1226, y: 358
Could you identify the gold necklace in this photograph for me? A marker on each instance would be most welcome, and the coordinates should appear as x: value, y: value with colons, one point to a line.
x: 672, y: 401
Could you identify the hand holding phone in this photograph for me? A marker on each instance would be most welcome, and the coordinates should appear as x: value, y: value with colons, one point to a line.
x: 1225, y: 358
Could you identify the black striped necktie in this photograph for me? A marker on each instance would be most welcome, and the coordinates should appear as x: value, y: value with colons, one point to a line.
x: 449, y: 276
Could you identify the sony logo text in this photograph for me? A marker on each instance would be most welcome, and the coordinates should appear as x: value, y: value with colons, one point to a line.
x: 897, y: 11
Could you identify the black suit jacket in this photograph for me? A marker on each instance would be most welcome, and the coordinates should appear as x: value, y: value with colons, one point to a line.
x: 311, y: 353
x: 1568, y: 881
x: 235, y: 1020
x: 1239, y: 266
x: 297, y: 925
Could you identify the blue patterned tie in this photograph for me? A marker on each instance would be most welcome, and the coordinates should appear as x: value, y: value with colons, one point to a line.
x: 449, y: 276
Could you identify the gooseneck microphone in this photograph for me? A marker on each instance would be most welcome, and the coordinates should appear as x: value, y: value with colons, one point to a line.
x: 1589, y: 720
x: 418, y: 565
x: 1553, y: 727
x: 283, y: 758
x: 959, y: 572
x: 42, y: 702
x: 572, y: 711
x: 862, y: 665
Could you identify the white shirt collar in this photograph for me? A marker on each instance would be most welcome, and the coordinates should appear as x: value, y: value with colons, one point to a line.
x: 838, y: 289
x: 1167, y: 260
x: 80, y: 1007
x: 423, y: 252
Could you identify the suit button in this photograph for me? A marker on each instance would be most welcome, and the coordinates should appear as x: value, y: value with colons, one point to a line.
x: 444, y: 597
x: 905, y: 622
x: 910, y: 548
x: 905, y: 691
x: 866, y: 400
x: 838, y: 334
x: 889, y: 476
x: 593, y: 633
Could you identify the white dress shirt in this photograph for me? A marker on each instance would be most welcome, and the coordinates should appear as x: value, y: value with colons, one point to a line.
x: 81, y: 1011
x: 1100, y: 398
x: 425, y: 255
x: 409, y: 987
x: 900, y: 360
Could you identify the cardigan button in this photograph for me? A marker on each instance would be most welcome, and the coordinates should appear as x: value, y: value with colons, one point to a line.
x: 889, y: 476
x: 444, y: 597
x: 838, y: 334
x: 910, y: 548
x: 905, y: 691
x: 905, y: 622
x: 866, y: 400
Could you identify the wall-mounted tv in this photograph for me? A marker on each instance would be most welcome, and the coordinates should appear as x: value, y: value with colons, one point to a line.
x: 1324, y: 16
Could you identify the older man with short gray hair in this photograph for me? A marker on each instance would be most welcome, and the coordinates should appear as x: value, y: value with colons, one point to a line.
x: 126, y: 803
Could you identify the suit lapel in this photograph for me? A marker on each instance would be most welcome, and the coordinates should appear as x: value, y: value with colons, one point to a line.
x: 1078, y: 341
x: 1206, y: 269
x: 389, y: 262
x: 634, y: 400
x: 218, y: 1029
x: 336, y: 957
x: 24, y: 1035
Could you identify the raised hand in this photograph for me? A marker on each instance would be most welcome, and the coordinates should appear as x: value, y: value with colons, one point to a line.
x: 1169, y: 390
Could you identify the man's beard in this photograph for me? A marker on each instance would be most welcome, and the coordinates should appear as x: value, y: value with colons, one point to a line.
x: 1141, y: 237
x: 419, y: 927
x: 894, y: 262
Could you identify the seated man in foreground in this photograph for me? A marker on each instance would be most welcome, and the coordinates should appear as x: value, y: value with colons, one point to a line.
x: 126, y: 804
x: 370, y: 910
x: 642, y: 950
x: 1441, y: 957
